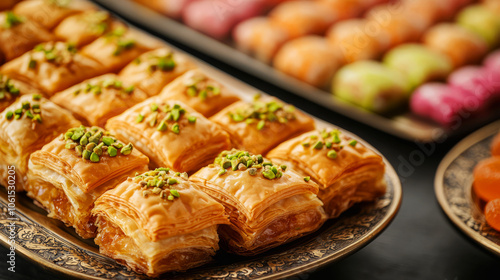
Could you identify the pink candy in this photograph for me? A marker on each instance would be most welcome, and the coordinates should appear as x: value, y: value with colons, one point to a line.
x: 469, y: 91
x: 439, y: 102
x: 218, y: 17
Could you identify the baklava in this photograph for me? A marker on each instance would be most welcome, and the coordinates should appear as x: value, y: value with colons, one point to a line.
x: 157, y: 222
x: 268, y: 204
x: 200, y: 92
x: 25, y: 126
x: 83, y: 28
x: 53, y: 66
x: 346, y: 171
x: 49, y: 13
x: 19, y: 35
x: 68, y: 174
x: 11, y: 89
x: 96, y: 100
x: 119, y: 47
x: 171, y: 134
x: 261, y: 125
x: 155, y: 69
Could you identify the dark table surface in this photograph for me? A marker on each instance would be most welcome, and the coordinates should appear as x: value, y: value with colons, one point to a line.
x: 421, y: 243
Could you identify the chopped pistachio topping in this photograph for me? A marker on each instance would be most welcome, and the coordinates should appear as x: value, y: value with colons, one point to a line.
x: 31, y: 111
x: 307, y: 178
x: 12, y: 19
x: 165, y: 117
x: 54, y: 55
x: 237, y: 160
x: 97, y: 22
x: 122, y: 44
x: 162, y: 63
x: 161, y: 182
x: 263, y: 113
x: 93, y: 143
x: 7, y: 90
x: 96, y: 88
x: 330, y: 140
x: 202, y: 88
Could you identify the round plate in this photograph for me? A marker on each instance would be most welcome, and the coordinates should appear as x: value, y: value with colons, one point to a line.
x: 49, y: 243
x: 453, y: 187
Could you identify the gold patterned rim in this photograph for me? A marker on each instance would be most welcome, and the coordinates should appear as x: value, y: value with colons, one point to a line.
x: 48, y: 243
x: 453, y: 187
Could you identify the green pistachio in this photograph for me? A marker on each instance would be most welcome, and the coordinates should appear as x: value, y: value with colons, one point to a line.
x: 9, y: 115
x: 139, y: 118
x: 156, y: 190
x: 77, y: 135
x: 261, y: 124
x: 252, y: 171
x: 94, y: 157
x: 162, y: 126
x: 90, y: 146
x: 117, y: 145
x: 274, y: 169
x: 307, y: 178
x: 306, y: 144
x: 318, y: 145
x: 332, y: 154
x: 260, y: 159
x: 32, y: 64
x: 108, y: 141
x: 127, y: 149
x: 175, y: 128
x: 37, y: 97
x: 267, y: 163
x: 249, y: 163
x: 26, y: 105
x: 84, y: 140
x: 175, y: 114
x: 172, y: 181
x: 268, y: 174
x: 353, y: 143
x: 86, y: 154
x: 328, y: 144
x: 129, y: 89
x: 191, y: 119
x: 29, y: 114
x: 234, y: 164
x: 98, y: 151
x: 192, y: 91
x: 170, y: 197
x: 112, y: 151
x: 222, y: 172
x: 70, y: 145
x: 175, y: 193
x: 283, y: 167
x: 37, y: 118
x: 203, y: 94
x: 154, y: 107
x: 68, y: 135
x: 336, y: 138
x: 79, y: 150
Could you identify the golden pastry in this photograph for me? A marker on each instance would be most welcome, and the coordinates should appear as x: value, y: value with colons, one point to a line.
x: 68, y: 174
x: 200, y: 92
x: 155, y: 69
x: 119, y: 47
x: 49, y: 13
x: 268, y: 204
x: 11, y: 89
x: 25, y: 126
x: 262, y: 124
x: 346, y: 171
x: 96, y: 100
x: 83, y: 28
x: 53, y: 66
x: 158, y: 222
x: 171, y: 134
x: 19, y: 35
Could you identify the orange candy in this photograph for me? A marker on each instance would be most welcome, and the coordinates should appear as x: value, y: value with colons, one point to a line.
x: 495, y: 146
x: 487, y: 179
x: 492, y: 214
